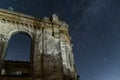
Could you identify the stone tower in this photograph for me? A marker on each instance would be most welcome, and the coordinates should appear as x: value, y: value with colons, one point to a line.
x: 51, y: 56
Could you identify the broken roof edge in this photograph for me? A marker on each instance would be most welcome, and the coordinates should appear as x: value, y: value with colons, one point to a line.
x: 53, y: 19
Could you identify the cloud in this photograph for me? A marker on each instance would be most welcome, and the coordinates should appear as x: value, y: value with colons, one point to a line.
x: 106, y: 59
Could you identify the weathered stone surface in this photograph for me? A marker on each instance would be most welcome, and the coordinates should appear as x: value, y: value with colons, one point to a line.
x: 51, y: 52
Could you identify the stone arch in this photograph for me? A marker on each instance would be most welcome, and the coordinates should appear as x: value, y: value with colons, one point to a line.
x: 9, y: 35
x: 21, y: 30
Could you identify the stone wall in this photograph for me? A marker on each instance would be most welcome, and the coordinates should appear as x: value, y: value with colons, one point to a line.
x: 51, y: 53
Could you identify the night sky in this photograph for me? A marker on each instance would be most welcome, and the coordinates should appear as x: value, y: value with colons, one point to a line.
x: 94, y: 28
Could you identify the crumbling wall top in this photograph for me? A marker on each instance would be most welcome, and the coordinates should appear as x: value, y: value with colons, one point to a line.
x: 54, y: 19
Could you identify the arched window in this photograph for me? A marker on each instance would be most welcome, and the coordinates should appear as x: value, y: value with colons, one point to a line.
x: 17, y: 59
x: 19, y: 48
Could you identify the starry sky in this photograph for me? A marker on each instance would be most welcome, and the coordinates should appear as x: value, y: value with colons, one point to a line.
x: 94, y: 28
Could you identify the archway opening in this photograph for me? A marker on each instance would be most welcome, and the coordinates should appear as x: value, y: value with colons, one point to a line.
x: 19, y: 48
x: 17, y: 59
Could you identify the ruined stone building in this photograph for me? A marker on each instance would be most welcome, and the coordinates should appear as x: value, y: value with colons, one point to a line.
x: 51, y: 56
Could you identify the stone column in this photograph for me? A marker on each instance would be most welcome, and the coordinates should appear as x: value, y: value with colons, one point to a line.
x: 37, y: 56
x: 2, y: 43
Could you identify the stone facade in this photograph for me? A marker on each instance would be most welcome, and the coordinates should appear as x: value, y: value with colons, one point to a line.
x: 51, y: 52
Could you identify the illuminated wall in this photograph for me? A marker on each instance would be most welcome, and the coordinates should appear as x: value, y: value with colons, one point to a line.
x: 51, y: 52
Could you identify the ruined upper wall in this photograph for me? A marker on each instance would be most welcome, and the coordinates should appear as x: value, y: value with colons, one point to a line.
x: 19, y: 18
x: 30, y: 20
